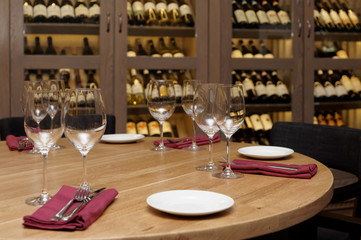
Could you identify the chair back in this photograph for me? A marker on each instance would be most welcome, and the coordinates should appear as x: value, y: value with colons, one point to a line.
x: 11, y: 126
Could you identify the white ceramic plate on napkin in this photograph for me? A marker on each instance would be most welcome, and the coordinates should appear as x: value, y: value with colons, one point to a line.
x: 190, y: 202
x: 266, y: 152
x: 121, y: 138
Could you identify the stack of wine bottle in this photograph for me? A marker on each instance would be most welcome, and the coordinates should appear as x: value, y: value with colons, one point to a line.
x: 331, y: 118
x: 331, y: 50
x: 242, y: 51
x: 163, y: 51
x: 65, y: 12
x: 160, y: 13
x: 335, y: 16
x: 259, y: 14
x: 149, y: 128
x: 137, y: 84
x: 334, y: 85
x: 262, y: 86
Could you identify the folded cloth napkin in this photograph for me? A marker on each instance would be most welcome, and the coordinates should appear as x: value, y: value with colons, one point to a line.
x: 180, y: 143
x: 80, y: 221
x: 274, y: 169
x: 13, y: 143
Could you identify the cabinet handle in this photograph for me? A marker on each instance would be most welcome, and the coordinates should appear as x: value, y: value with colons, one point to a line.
x: 309, y: 28
x: 299, y: 27
x: 108, y: 22
x: 120, y: 22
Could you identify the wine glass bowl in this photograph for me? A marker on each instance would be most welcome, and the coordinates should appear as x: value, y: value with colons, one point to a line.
x: 229, y: 113
x: 161, y: 105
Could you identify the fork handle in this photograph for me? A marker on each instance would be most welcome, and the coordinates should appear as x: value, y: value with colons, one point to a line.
x: 60, y: 214
x: 71, y: 213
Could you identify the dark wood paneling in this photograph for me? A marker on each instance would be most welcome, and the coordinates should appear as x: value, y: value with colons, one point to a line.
x: 5, y: 59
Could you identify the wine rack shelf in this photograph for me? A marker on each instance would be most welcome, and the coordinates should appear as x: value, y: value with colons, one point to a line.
x: 161, y: 31
x: 337, y: 105
x: 262, y: 33
x: 60, y: 28
x: 338, y: 36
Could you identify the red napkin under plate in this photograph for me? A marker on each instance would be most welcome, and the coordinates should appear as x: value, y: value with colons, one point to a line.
x: 13, y: 143
x: 274, y: 169
x: 80, y: 221
x: 180, y: 143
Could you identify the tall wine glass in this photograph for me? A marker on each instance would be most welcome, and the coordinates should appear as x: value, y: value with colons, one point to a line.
x: 189, y: 87
x: 85, y: 121
x: 161, y: 105
x: 202, y: 110
x: 229, y: 112
x: 41, y: 132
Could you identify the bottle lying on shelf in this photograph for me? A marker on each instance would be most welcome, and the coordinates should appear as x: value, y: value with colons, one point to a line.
x: 331, y: 118
x: 252, y: 51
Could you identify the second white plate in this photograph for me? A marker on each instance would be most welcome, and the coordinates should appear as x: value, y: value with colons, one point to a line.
x: 190, y: 202
x: 265, y: 152
x: 121, y: 138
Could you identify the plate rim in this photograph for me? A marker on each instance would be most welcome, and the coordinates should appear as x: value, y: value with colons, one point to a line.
x: 290, y: 152
x: 190, y: 213
x: 136, y: 138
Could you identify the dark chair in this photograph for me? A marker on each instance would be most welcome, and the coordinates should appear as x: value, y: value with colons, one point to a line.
x: 338, y: 148
x: 11, y: 126
x: 110, y: 128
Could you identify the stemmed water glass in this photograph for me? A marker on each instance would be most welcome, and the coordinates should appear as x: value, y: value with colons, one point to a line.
x: 189, y: 87
x: 229, y: 112
x: 202, y: 110
x: 41, y: 132
x: 161, y: 105
x: 85, y: 121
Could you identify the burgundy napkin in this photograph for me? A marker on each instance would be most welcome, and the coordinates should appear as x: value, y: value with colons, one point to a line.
x: 13, y: 143
x: 180, y: 143
x: 80, y: 221
x: 252, y: 166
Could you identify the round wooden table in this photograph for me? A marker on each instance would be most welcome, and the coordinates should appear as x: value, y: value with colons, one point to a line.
x: 263, y: 204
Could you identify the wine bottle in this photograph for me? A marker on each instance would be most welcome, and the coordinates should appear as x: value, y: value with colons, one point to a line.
x: 142, y: 127
x: 328, y: 85
x: 246, y: 53
x: 325, y: 16
x: 39, y: 9
x: 81, y: 12
x: 272, y: 94
x: 351, y: 14
x: 271, y: 14
x: 86, y: 48
x: 261, y: 15
x: 26, y: 46
x: 38, y: 49
x: 138, y: 12
x: 150, y: 13
x: 177, y: 87
x: 240, y: 135
x: 141, y: 51
x: 255, y: 52
x: 64, y: 74
x: 163, y: 50
x: 341, y: 91
x: 152, y: 51
x: 162, y: 12
x: 186, y: 13
x: 130, y: 96
x: 319, y: 24
x: 137, y: 87
x: 236, y: 78
x: 259, y: 129
x: 67, y: 11
x: 92, y: 83
x: 267, y: 124
x: 53, y: 11
x: 174, y: 13
x: 330, y: 119
x: 260, y: 87
x: 236, y: 52
x: 346, y: 82
x: 50, y: 50
x: 321, y: 119
x: 356, y: 83
x: 153, y: 126
x: 265, y: 51
x: 334, y: 16
x: 346, y: 21
x: 319, y: 91
x: 282, y: 89
x: 94, y: 12
x: 174, y: 49
x: 78, y: 80
x: 249, y: 88
x: 340, y: 53
x: 250, y: 134
x: 131, y: 127
x: 239, y: 19
x: 250, y: 14
x: 28, y: 11
x: 282, y: 14
x: 338, y: 118
x: 131, y: 51
x: 131, y: 20
x: 167, y: 129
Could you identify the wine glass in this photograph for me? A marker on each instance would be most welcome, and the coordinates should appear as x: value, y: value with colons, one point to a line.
x: 41, y: 132
x: 229, y: 112
x: 161, y: 105
x: 85, y: 121
x: 189, y: 87
x: 202, y: 110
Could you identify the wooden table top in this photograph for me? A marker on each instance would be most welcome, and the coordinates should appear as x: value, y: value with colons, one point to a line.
x: 263, y: 204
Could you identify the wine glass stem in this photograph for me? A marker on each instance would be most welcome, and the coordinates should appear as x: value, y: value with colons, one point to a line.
x: 194, y: 140
x: 45, y: 176
x: 161, y: 145
x: 210, y: 155
x: 85, y: 180
x: 228, y: 164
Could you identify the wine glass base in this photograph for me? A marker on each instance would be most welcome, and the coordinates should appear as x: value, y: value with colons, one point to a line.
x: 193, y: 148
x: 159, y: 149
x: 32, y: 151
x: 208, y: 168
x: 56, y: 147
x: 228, y: 175
x: 39, y: 200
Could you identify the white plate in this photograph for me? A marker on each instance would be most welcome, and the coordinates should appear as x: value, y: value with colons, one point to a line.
x: 121, y: 138
x: 265, y: 152
x: 190, y: 202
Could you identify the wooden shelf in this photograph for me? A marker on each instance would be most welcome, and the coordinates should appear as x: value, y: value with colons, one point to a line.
x: 338, y: 36
x: 337, y: 105
x: 59, y: 61
x: 161, y: 31
x: 61, y: 28
x: 262, y: 63
x: 262, y: 33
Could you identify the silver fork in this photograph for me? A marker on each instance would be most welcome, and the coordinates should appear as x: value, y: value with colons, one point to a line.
x: 81, y: 194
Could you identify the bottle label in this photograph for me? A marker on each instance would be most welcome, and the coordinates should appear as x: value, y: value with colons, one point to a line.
x: 251, y: 16
x: 167, y: 55
x: 356, y: 83
x: 318, y: 90
x: 28, y: 9
x: 171, y: 92
x: 153, y: 128
x: 271, y: 89
x: 129, y: 89
x: 325, y: 16
x: 272, y: 16
x: 160, y: 6
x: 248, y: 55
x: 81, y: 10
x: 266, y: 121
x: 284, y: 17
x: 282, y: 89
x: 256, y: 122
x: 341, y: 54
x: 258, y: 55
x: 240, y: 16
x: 67, y: 10
x: 167, y: 127
x: 346, y: 82
x: 149, y: 5
x: 260, y: 89
x: 178, y: 54
x: 344, y: 17
x: 39, y: 10
x: 248, y: 84
x: 53, y: 10
x: 94, y: 10
x: 172, y: 6
x: 156, y: 55
x: 131, y: 128
x: 189, y: 91
x: 178, y: 90
x: 131, y: 54
x: 262, y: 17
x: 268, y: 55
x: 340, y: 89
x: 142, y: 128
x: 335, y: 17
x: 137, y: 7
x: 137, y: 87
x: 353, y: 17
x: 330, y: 89
x: 236, y: 53
x: 185, y: 10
